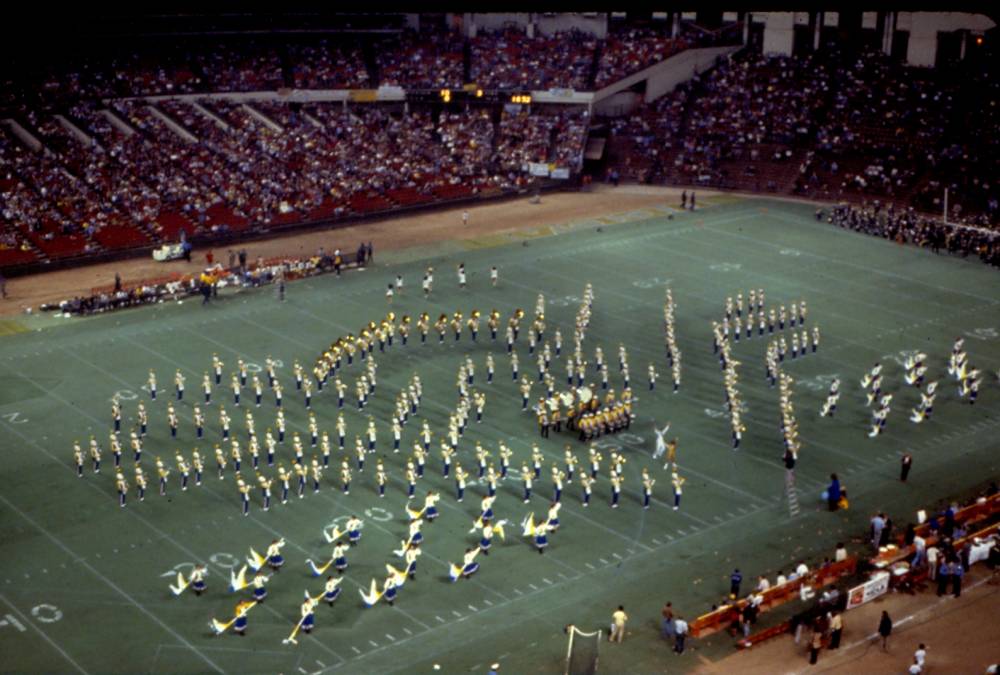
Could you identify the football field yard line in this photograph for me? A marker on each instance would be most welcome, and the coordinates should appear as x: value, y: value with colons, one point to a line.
x: 26, y: 621
x: 811, y: 288
x: 193, y: 556
x: 255, y: 520
x: 231, y: 320
x: 90, y: 568
x: 419, y: 634
x: 163, y: 535
x: 911, y: 280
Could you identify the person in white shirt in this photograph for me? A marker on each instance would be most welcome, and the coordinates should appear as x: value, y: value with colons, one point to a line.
x: 920, y: 655
x: 801, y: 570
x: 680, y: 632
x: 782, y: 579
x: 763, y: 584
x: 841, y: 553
x: 920, y: 551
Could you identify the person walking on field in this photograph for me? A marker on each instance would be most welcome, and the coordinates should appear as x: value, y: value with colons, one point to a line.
x: 905, y: 464
x: 836, y: 630
x: 680, y: 632
x: 668, y: 621
x: 885, y: 630
x: 618, y: 620
x: 833, y: 492
x: 815, y: 645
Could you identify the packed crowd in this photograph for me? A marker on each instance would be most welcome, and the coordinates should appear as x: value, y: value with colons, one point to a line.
x: 827, y: 125
x: 509, y: 59
x: 505, y: 59
x: 422, y: 61
x: 906, y: 226
x: 123, y: 176
x: 328, y: 66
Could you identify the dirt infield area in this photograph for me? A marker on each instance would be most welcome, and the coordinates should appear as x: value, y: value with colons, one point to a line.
x: 385, y: 234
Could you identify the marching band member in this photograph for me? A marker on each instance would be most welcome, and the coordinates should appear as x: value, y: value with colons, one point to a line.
x: 183, y: 470
x: 302, y: 473
x: 678, y: 483
x: 163, y: 472
x: 460, y: 477
x: 220, y: 461
x: 285, y: 477
x: 265, y: 490
x: 140, y: 483
x: 353, y: 527
x: 317, y: 473
x: 557, y: 483
x: 122, y: 486
x: 274, y: 558
x: 244, y: 491
x: 616, y: 488
x: 647, y: 488
x: 331, y: 591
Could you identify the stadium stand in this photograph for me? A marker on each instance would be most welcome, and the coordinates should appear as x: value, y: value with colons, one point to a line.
x: 114, y: 172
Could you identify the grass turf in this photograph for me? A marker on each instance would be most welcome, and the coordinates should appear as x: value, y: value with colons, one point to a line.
x: 84, y: 584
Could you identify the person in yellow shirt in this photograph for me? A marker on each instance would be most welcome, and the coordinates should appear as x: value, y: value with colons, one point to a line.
x: 618, y: 619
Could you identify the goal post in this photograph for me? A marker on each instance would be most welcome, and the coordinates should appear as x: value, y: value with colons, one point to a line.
x: 582, y: 651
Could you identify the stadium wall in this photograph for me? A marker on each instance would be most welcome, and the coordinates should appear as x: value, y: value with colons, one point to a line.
x: 660, y: 78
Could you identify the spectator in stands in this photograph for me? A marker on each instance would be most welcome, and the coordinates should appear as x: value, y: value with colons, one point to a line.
x: 509, y: 59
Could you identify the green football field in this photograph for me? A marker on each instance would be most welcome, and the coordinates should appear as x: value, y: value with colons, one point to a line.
x: 84, y: 584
